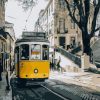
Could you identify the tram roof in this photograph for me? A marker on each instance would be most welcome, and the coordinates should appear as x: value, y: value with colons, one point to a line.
x: 31, y: 40
x: 28, y: 36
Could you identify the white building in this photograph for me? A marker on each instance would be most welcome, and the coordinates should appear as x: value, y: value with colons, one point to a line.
x: 55, y: 21
x: 10, y: 41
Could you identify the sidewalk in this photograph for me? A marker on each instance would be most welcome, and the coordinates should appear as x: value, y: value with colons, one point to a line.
x: 4, y: 94
x: 82, y: 78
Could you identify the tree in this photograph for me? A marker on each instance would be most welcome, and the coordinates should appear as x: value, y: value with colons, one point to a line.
x: 27, y: 4
x: 82, y: 7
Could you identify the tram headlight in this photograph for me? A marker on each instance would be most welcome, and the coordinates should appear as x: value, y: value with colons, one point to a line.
x: 35, y: 70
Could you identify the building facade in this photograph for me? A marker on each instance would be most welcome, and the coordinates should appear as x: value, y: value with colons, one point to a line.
x: 3, y: 46
x: 2, y: 13
x: 7, y: 39
x: 10, y: 41
x: 61, y: 30
x: 3, y: 35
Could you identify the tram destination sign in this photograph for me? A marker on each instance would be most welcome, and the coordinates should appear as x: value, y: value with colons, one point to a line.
x: 27, y: 34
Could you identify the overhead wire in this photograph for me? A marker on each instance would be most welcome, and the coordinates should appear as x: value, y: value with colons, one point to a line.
x: 28, y: 18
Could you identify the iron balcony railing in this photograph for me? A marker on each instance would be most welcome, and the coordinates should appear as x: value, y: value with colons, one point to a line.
x: 72, y: 57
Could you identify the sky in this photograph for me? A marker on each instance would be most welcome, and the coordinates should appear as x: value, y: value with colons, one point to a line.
x: 16, y: 15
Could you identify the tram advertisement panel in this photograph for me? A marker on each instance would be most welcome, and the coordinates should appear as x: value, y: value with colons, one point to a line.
x: 35, y: 51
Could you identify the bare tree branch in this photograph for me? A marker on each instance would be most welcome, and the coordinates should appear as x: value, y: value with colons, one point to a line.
x: 96, y: 10
x: 87, y: 10
x: 72, y: 14
x: 74, y: 11
x: 79, y: 6
x: 27, y: 4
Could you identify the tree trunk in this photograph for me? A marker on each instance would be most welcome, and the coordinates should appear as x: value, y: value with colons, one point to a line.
x: 86, y: 43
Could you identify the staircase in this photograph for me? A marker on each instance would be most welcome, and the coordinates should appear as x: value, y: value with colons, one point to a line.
x: 72, y: 57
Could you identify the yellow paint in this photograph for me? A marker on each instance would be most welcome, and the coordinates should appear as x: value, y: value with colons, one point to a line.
x: 27, y: 69
x: 35, y: 52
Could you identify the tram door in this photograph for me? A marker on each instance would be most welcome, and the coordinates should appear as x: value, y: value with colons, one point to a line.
x: 17, y: 60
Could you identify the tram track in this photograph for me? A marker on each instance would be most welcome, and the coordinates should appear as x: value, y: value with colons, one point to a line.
x: 38, y: 91
x: 49, y: 90
x: 55, y: 93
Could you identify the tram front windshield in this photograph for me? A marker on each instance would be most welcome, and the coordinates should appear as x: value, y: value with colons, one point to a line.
x: 38, y: 52
x: 35, y: 52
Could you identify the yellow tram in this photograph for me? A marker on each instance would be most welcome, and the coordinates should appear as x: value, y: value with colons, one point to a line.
x: 32, y: 57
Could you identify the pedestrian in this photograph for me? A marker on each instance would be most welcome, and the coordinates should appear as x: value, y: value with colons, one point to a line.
x: 0, y: 74
x: 52, y: 66
x: 58, y: 65
x: 7, y: 80
x: 12, y: 66
x: 52, y: 63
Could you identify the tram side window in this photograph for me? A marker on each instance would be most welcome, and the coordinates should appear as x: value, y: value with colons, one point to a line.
x: 16, y: 49
x: 45, y: 52
x: 24, y: 49
x: 16, y: 54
